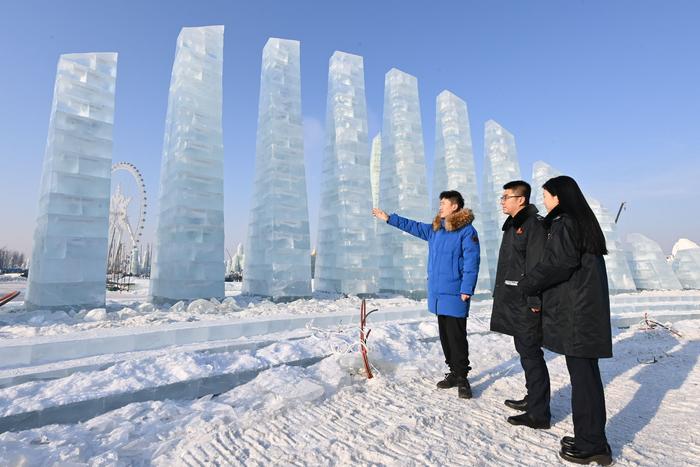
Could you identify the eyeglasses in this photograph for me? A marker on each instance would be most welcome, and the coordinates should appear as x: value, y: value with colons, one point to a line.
x: 505, y: 197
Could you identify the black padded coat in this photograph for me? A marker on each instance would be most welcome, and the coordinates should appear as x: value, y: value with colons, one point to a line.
x: 575, y: 297
x: 521, y: 250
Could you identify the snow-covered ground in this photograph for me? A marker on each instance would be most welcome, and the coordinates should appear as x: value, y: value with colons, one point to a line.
x: 306, y: 400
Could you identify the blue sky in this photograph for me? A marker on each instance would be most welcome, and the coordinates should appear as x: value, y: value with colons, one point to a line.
x: 605, y: 91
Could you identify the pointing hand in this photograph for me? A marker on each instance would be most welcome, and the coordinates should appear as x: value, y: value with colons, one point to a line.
x: 379, y: 214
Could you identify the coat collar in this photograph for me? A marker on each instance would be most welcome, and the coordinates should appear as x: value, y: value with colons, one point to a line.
x: 552, y: 215
x: 454, y: 221
x: 520, y: 218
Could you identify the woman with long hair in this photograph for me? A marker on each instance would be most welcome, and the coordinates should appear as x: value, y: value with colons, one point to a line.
x: 572, y: 279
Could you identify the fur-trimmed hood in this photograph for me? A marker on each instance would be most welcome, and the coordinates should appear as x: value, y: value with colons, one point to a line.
x: 454, y: 221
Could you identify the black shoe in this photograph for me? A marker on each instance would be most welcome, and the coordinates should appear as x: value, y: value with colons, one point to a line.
x: 526, y: 420
x: 567, y: 442
x: 517, y: 404
x: 464, y: 391
x: 450, y: 381
x: 603, y: 457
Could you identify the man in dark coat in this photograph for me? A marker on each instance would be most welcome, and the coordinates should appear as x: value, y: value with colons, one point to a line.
x: 453, y: 266
x: 516, y: 314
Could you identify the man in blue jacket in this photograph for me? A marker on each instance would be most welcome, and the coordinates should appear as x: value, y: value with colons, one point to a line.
x: 453, y: 266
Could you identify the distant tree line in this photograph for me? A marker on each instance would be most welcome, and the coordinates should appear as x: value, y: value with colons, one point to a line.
x: 11, y: 259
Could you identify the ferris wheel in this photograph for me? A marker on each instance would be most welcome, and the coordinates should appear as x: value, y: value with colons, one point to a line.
x: 125, y: 233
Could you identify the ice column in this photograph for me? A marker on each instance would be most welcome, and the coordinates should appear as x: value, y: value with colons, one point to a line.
x: 648, y: 264
x: 188, y: 257
x: 619, y: 274
x: 69, y: 258
x: 278, y: 245
x: 403, y: 187
x: 375, y: 167
x: 346, y: 260
x: 500, y: 167
x: 686, y: 263
x: 454, y: 167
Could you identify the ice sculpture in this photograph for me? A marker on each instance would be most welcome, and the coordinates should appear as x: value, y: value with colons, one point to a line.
x: 620, y: 277
x: 69, y: 258
x: 188, y: 256
x: 375, y: 166
x: 454, y: 167
x: 686, y: 263
x: 619, y: 274
x: 403, y: 189
x: 278, y: 244
x: 500, y: 167
x: 346, y: 261
x: 541, y: 172
x: 648, y: 264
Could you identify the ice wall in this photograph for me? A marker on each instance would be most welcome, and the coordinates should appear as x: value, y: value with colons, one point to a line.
x: 278, y: 244
x: 648, y: 264
x: 686, y: 263
x: 403, y: 187
x: 188, y: 254
x: 500, y: 167
x: 346, y: 260
x: 454, y: 167
x: 69, y: 257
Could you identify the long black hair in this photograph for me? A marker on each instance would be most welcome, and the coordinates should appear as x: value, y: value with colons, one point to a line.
x: 573, y: 203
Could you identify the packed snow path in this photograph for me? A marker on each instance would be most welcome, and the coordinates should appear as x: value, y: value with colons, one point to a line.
x: 328, y: 414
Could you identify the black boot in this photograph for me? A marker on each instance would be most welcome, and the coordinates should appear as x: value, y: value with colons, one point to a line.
x: 567, y: 442
x: 602, y: 457
x: 464, y: 391
x: 526, y: 420
x: 517, y: 404
x: 450, y: 381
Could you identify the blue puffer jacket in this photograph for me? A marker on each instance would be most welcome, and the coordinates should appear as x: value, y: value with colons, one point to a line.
x: 453, y: 259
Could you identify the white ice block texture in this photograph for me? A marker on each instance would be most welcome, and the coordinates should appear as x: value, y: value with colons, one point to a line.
x: 454, y: 168
x: 278, y: 261
x: 541, y: 172
x: 403, y: 187
x: 619, y: 275
x: 500, y: 167
x: 69, y: 257
x: 686, y: 263
x: 648, y: 264
x: 375, y: 167
x: 346, y: 260
x: 188, y: 255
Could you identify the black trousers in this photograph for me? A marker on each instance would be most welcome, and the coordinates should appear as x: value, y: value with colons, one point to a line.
x: 587, y: 403
x: 453, y: 337
x: 536, y: 377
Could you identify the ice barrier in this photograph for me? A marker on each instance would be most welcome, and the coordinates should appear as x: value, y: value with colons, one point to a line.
x: 47, y: 349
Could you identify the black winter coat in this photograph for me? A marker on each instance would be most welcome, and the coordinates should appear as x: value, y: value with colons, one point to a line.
x: 575, y: 297
x: 521, y: 250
